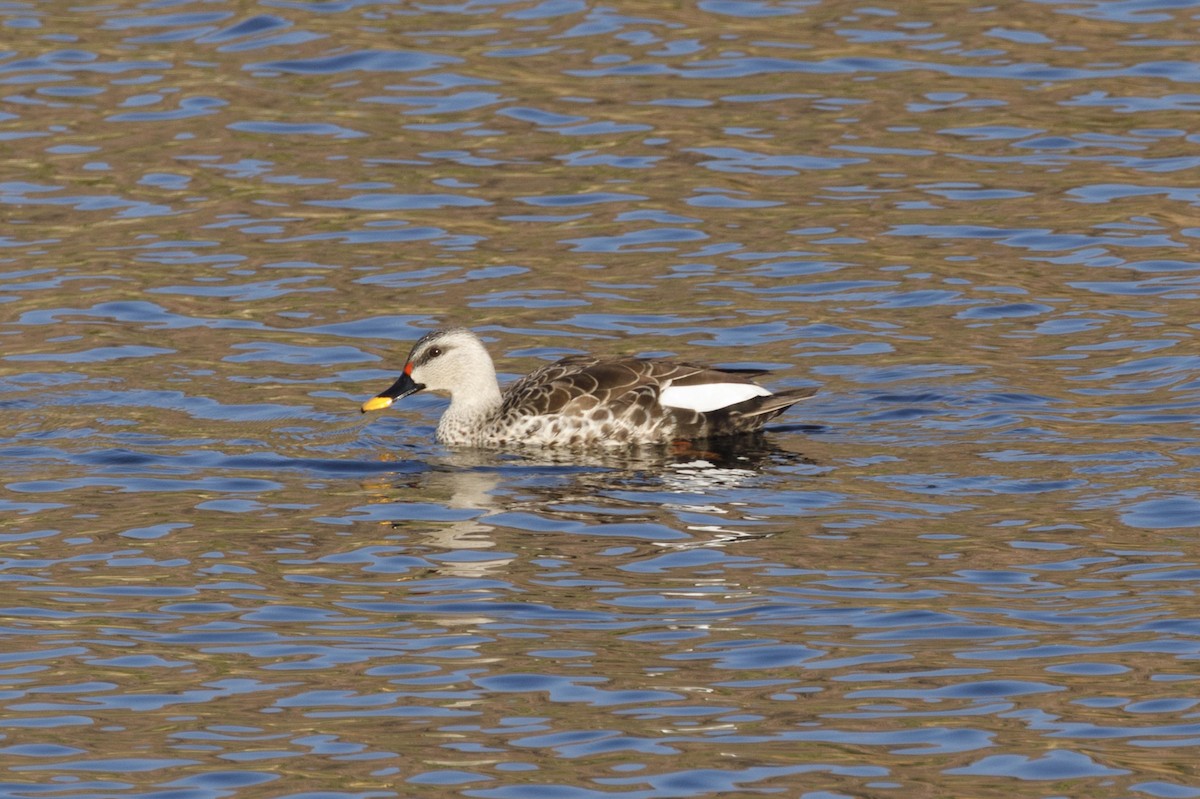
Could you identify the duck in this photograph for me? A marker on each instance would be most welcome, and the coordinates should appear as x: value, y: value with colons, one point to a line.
x: 581, y: 400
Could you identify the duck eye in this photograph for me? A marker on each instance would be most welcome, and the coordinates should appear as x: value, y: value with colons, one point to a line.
x: 433, y: 352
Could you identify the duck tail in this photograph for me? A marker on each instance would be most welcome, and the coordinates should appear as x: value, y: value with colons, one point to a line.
x: 772, y: 404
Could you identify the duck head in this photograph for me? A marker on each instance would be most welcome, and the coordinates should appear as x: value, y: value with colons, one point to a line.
x: 444, y: 360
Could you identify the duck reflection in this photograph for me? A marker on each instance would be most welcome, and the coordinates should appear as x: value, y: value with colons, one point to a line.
x: 667, y: 496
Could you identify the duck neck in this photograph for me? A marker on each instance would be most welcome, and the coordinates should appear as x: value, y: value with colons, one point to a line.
x: 472, y: 402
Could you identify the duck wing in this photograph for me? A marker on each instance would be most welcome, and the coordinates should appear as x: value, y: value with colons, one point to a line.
x: 642, y: 391
x: 707, y: 402
x: 579, y: 384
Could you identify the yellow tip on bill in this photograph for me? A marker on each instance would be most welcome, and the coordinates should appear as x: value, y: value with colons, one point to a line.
x: 376, y: 404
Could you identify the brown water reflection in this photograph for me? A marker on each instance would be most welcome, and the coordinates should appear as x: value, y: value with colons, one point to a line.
x: 966, y: 569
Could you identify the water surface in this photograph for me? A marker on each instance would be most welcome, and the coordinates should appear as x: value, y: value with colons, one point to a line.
x: 967, y: 567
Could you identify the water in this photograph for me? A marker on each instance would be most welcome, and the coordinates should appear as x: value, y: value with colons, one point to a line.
x: 967, y: 567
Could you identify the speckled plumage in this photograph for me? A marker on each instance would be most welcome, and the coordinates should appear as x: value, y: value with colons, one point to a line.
x: 581, y: 400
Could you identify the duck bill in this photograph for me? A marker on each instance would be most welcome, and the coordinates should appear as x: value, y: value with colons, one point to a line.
x: 398, y: 390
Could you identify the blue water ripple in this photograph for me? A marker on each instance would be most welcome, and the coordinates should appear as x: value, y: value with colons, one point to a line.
x: 115, y: 765
x: 362, y: 60
x: 222, y: 780
x: 1058, y: 764
x: 402, y: 202
x: 1166, y: 790
x: 141, y: 484
x: 297, y: 129
x: 736, y: 159
x: 1163, y: 513
x: 637, y: 241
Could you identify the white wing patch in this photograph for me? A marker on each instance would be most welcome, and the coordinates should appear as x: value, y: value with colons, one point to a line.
x: 709, y: 397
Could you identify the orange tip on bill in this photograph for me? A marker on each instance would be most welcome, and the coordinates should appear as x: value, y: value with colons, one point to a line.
x: 376, y: 404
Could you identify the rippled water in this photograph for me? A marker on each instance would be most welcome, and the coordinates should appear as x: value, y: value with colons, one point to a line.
x: 967, y: 567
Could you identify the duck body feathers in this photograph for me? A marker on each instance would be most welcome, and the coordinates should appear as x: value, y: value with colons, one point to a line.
x: 618, y: 401
x: 584, y: 400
